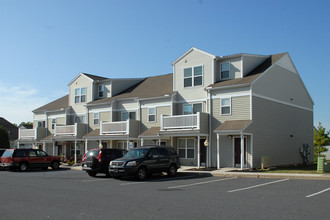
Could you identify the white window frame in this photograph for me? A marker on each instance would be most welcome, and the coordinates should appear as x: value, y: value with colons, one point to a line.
x: 53, y: 123
x: 230, y: 106
x: 192, y: 104
x: 78, y: 94
x: 193, y: 76
x: 186, y: 148
x: 96, y: 117
x: 80, y: 119
x: 101, y: 91
x: 225, y: 70
x: 154, y: 114
x: 129, y: 115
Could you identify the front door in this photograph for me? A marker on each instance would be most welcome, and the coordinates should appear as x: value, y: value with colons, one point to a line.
x: 202, y: 152
x: 237, y: 146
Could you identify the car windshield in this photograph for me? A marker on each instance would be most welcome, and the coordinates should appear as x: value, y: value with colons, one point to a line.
x: 137, y: 153
x: 8, y: 153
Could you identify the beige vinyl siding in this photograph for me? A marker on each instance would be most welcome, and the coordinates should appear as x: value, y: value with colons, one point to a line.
x: 165, y: 110
x: 240, y: 109
x: 193, y: 59
x: 81, y: 82
x: 273, y: 123
x: 281, y: 84
x: 103, y: 116
x: 107, y: 90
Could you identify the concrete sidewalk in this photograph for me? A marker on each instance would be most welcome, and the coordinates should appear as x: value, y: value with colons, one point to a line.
x: 236, y: 172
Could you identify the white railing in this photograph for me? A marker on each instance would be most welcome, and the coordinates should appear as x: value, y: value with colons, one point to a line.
x: 180, y: 122
x: 121, y: 127
x: 27, y: 134
x: 65, y: 130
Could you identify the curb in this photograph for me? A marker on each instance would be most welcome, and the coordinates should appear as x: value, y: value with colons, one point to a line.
x: 274, y: 175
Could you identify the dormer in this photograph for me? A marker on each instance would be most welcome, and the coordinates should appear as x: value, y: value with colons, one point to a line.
x: 236, y: 66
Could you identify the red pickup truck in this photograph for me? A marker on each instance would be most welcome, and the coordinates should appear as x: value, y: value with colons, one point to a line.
x: 23, y: 159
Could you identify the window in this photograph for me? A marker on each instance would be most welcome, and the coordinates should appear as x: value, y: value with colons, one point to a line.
x: 122, y: 145
x: 127, y: 115
x: 41, y: 124
x: 152, y: 114
x: 72, y: 149
x: 53, y: 123
x: 193, y: 76
x: 96, y: 118
x: 101, y: 91
x: 225, y: 106
x: 189, y: 109
x: 79, y: 119
x: 41, y: 153
x: 80, y: 95
x: 224, y: 70
x: 187, y: 148
x: 32, y: 153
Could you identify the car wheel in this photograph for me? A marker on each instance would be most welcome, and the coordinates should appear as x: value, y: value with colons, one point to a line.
x: 55, y: 165
x: 23, y: 167
x: 141, y: 173
x: 92, y: 173
x: 172, y: 170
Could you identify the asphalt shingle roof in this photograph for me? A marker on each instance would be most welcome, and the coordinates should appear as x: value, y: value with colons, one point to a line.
x: 58, y: 104
x: 234, y: 125
x: 154, y: 86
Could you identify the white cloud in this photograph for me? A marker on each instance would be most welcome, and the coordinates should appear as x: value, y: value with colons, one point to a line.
x: 17, y: 102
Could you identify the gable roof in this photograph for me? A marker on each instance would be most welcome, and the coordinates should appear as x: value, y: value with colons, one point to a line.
x: 189, y: 51
x: 58, y: 104
x: 253, y: 75
x: 90, y: 76
x: 154, y: 86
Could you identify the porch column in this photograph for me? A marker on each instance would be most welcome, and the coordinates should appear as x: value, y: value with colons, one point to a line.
x: 159, y: 141
x: 75, y: 151
x: 86, y: 145
x: 172, y: 141
x: 141, y: 142
x: 242, y: 151
x: 218, y: 151
x: 198, y: 152
x: 44, y: 146
x: 127, y: 145
x: 53, y: 148
x: 18, y: 144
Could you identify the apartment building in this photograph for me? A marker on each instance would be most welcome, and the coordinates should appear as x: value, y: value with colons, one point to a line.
x: 217, y: 111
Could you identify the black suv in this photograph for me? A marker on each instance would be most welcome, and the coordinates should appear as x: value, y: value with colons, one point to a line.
x: 97, y: 160
x: 140, y: 162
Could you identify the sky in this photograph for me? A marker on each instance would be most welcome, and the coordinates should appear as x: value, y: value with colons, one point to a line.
x: 44, y: 44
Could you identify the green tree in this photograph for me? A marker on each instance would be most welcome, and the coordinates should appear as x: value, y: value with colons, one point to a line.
x: 4, y: 138
x: 321, y: 138
x: 26, y: 123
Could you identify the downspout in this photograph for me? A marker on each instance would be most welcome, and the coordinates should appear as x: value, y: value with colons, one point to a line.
x: 210, y: 127
x: 139, y: 114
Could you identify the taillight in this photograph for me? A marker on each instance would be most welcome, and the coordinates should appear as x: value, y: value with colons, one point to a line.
x: 84, y: 158
x: 100, y: 156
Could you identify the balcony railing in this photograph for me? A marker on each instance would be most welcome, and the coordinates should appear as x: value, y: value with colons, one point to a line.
x: 65, y: 130
x: 27, y: 134
x: 180, y: 122
x: 120, y: 127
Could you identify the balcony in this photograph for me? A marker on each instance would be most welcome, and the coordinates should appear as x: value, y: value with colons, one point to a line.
x: 129, y: 128
x: 32, y: 134
x: 197, y: 121
x: 77, y: 130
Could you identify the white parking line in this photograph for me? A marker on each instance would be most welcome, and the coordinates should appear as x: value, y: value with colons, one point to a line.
x: 314, y: 194
x: 96, y: 180
x: 200, y: 183
x: 250, y: 187
x: 126, y: 184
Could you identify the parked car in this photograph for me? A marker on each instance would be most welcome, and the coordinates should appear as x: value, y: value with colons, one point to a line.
x: 143, y: 161
x: 1, y: 152
x: 23, y: 159
x: 97, y: 160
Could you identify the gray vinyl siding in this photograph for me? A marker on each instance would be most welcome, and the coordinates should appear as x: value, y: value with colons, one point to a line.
x: 251, y: 62
x: 281, y: 84
x: 272, y: 125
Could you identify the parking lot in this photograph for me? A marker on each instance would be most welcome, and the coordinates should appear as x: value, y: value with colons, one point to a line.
x: 68, y: 194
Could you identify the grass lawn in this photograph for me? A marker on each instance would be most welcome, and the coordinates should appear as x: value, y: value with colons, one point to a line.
x: 307, y: 169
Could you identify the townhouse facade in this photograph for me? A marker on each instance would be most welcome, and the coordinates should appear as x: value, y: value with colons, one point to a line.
x: 218, y: 111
